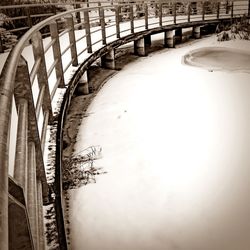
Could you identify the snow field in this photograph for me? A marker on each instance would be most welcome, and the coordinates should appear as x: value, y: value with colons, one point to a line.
x: 175, y: 145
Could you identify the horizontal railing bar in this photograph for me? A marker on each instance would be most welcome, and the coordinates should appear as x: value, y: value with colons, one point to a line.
x: 109, y: 16
x: 80, y: 38
x: 76, y: 26
x: 96, y: 42
x: 94, y: 19
x: 111, y: 35
x: 94, y: 31
x: 19, y: 29
x: 109, y: 26
x: 55, y: 87
x: 129, y: 29
x: 140, y: 26
x: 82, y: 52
x: 68, y: 65
x: 65, y: 31
x: 40, y: 101
x: 16, y: 18
x: 66, y: 49
x: 14, y: 6
x: 49, y: 45
x: 44, y: 129
x: 34, y: 70
x: 50, y: 70
x: 42, y: 15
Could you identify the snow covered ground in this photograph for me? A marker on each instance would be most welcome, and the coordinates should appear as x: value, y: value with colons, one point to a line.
x: 175, y: 142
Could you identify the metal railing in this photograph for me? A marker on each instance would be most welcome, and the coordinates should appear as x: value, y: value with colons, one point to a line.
x: 37, y: 67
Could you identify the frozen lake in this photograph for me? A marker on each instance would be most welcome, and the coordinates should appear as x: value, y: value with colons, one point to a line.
x: 216, y: 58
x: 176, y: 143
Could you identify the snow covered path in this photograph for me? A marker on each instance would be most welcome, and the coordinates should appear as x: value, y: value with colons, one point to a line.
x: 176, y: 143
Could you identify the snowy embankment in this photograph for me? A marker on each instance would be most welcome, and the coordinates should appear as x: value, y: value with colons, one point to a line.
x: 175, y: 142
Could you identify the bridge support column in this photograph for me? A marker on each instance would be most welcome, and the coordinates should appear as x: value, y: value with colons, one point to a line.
x: 140, y: 48
x: 32, y: 193
x: 197, y: 32
x: 178, y: 35
x: 169, y: 39
x: 148, y: 40
x: 83, y: 85
x: 108, y: 60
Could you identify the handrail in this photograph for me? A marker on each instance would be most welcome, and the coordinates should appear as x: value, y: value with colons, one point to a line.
x: 29, y: 87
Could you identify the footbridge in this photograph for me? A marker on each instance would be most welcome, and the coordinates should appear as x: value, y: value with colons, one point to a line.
x: 39, y: 78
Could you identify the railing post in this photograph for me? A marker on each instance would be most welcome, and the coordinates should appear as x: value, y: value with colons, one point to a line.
x: 232, y: 10
x: 218, y: 10
x: 87, y: 30
x: 57, y: 53
x: 160, y: 14
x: 102, y: 22
x: 175, y: 13
x: 41, y: 238
x: 203, y: 11
x: 1, y: 44
x: 54, y: 9
x: 119, y: 10
x: 189, y: 10
x: 131, y: 15
x: 45, y: 123
x: 23, y: 96
x: 137, y: 10
x: 117, y: 21
x: 5, y: 104
x: 42, y: 76
x: 156, y: 10
x: 72, y: 39
x: 78, y: 15
x: 21, y: 160
x: 248, y: 8
x: 29, y: 19
x: 146, y: 15
x: 32, y: 192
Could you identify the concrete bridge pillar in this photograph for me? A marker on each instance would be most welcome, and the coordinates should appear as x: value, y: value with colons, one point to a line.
x: 108, y: 60
x: 148, y: 40
x: 197, y: 32
x: 32, y: 192
x: 169, y: 39
x: 83, y: 85
x: 178, y: 35
x: 140, y: 48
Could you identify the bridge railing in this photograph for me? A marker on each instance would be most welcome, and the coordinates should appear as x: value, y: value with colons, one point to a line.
x: 37, y: 67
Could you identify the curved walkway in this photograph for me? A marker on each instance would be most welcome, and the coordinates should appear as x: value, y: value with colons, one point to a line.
x: 176, y: 149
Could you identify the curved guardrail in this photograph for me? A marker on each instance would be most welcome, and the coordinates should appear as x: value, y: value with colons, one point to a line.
x: 37, y: 69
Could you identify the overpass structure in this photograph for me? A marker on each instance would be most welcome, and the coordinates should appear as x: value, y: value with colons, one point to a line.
x: 75, y: 39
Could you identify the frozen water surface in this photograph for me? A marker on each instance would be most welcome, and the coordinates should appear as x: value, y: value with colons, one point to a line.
x: 220, y: 59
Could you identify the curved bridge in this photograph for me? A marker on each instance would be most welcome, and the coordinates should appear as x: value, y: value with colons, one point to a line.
x: 37, y: 85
